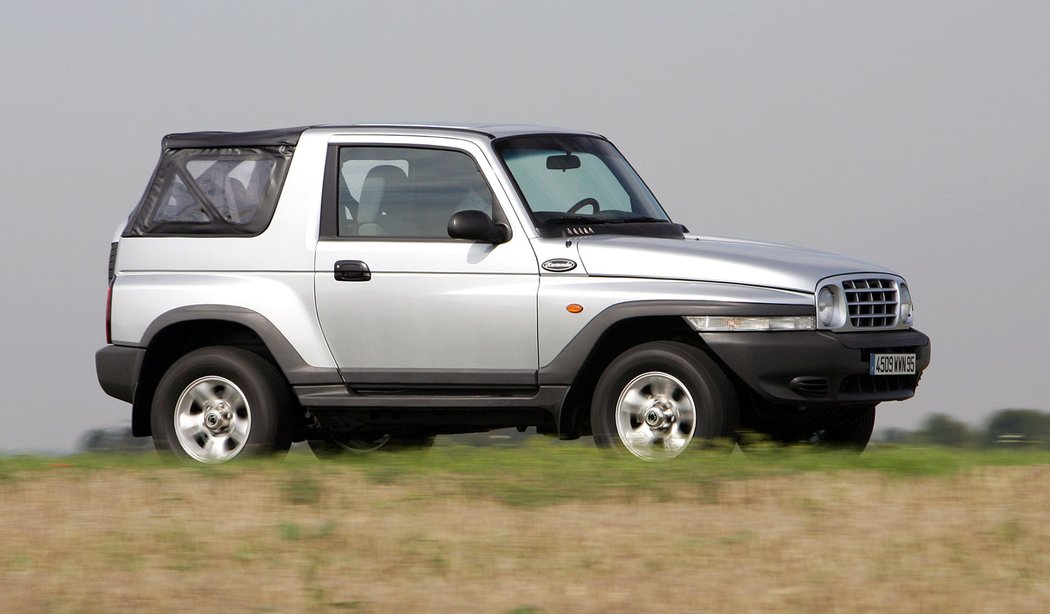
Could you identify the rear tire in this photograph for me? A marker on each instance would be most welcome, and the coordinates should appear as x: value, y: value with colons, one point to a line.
x: 658, y: 399
x: 219, y: 403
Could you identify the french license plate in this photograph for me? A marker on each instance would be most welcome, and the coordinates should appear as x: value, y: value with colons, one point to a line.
x: 892, y: 364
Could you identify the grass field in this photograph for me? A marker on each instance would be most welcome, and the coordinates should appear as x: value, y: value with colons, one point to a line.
x: 546, y: 527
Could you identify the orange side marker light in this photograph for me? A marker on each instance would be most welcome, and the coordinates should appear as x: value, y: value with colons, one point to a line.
x: 574, y: 308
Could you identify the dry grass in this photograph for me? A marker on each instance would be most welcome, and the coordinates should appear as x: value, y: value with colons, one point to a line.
x: 300, y: 537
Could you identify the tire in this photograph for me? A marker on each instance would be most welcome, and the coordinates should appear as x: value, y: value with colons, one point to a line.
x: 349, y: 445
x: 852, y: 433
x: 658, y: 399
x: 219, y: 403
x: 843, y: 428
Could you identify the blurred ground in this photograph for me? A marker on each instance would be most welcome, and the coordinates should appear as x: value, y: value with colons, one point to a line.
x: 530, y: 529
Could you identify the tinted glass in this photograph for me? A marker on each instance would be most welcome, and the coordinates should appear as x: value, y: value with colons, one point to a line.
x: 233, y: 187
x: 178, y: 204
x: 406, y: 192
x: 577, y: 179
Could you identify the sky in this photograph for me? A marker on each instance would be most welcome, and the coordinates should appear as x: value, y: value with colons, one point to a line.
x: 912, y: 134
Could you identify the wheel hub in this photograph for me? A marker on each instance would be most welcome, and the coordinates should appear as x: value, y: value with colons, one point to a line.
x: 218, y: 416
x: 660, y: 416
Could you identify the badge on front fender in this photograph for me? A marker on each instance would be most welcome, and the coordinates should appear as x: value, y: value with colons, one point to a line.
x: 559, y: 265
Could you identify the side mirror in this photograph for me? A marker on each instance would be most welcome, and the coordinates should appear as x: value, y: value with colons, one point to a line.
x: 477, y: 226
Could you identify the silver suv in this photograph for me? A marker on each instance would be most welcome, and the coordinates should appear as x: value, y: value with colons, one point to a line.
x: 367, y: 287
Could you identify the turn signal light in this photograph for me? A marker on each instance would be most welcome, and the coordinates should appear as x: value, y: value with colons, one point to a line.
x: 574, y: 308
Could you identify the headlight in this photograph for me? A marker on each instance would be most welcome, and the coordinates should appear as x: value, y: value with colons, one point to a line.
x: 744, y: 324
x: 826, y: 306
x: 831, y: 307
x: 907, y: 307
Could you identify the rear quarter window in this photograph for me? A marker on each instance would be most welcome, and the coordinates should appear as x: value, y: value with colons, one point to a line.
x: 215, y: 191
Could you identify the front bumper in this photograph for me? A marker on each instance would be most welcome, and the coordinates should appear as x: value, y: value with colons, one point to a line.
x: 818, y: 367
x: 118, y: 370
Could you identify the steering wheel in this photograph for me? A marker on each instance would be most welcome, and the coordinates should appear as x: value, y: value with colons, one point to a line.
x: 583, y: 203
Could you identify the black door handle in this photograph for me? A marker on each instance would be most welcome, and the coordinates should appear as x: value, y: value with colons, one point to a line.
x: 352, y: 270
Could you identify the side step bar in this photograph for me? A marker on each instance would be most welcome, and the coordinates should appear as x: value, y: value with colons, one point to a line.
x: 547, y: 398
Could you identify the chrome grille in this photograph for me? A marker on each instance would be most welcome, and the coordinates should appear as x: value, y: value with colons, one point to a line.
x: 871, y: 303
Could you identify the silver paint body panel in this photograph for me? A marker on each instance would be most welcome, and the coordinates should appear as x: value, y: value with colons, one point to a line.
x: 715, y: 260
x: 441, y: 305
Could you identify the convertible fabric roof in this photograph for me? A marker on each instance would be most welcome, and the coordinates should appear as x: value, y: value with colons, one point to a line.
x: 290, y: 136
x: 257, y: 138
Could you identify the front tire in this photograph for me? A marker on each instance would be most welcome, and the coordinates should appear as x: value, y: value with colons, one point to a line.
x: 852, y: 433
x: 846, y: 428
x: 658, y: 399
x: 220, y: 403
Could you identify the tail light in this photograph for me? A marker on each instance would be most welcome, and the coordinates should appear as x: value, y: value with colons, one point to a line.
x: 109, y: 313
x: 109, y: 291
x: 112, y: 261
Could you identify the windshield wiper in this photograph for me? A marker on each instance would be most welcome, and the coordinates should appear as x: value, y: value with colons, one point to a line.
x: 641, y: 219
x: 575, y: 219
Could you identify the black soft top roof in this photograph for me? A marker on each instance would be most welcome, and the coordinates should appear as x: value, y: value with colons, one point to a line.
x: 290, y: 136
x: 257, y: 138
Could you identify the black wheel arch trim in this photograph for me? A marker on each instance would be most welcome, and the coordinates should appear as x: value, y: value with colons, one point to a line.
x: 288, y: 359
x: 563, y: 369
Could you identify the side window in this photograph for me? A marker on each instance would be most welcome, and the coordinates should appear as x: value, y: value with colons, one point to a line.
x: 406, y: 192
x: 220, y: 191
x: 178, y: 204
x: 234, y: 187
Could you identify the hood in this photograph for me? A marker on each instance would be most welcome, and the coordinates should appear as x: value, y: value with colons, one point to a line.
x: 715, y: 260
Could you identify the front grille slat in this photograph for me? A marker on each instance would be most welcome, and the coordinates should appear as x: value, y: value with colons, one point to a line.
x: 871, y: 302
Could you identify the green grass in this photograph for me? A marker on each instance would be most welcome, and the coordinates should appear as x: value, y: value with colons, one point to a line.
x: 541, y: 472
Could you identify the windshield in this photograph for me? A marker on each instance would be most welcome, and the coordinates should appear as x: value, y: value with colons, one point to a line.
x: 572, y: 179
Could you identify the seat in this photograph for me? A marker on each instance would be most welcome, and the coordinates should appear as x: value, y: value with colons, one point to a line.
x: 347, y: 209
x: 239, y: 207
x: 384, y: 208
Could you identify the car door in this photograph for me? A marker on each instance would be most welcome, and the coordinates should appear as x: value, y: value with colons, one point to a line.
x: 401, y: 304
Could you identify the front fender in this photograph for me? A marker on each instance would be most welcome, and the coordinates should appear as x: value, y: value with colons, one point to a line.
x: 605, y: 301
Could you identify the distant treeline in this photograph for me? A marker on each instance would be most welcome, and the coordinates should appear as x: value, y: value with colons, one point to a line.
x: 1007, y: 427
